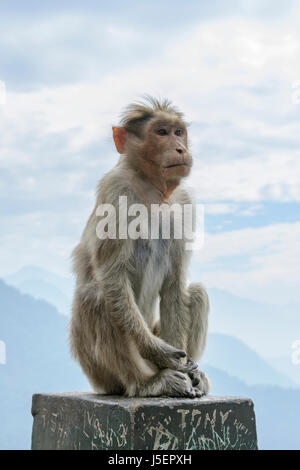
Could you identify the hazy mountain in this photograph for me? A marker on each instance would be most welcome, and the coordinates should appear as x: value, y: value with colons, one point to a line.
x: 45, y: 285
x: 237, y: 359
x: 269, y: 329
x: 35, y: 272
x: 277, y: 410
x: 229, y: 314
x: 284, y: 365
x: 38, y: 361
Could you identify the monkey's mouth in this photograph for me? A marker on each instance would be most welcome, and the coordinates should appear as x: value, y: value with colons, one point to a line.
x: 176, y: 164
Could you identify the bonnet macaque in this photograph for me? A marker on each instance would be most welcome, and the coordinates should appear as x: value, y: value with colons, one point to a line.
x: 136, y: 328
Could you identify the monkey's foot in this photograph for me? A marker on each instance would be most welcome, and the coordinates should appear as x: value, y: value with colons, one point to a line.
x: 177, y: 384
x: 200, y: 382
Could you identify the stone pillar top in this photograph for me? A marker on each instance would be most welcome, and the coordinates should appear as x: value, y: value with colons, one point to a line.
x: 84, y: 420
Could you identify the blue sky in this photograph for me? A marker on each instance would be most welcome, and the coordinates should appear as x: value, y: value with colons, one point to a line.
x: 69, y: 68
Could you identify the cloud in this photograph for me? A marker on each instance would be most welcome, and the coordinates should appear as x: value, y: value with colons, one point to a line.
x: 230, y: 70
x: 259, y: 263
x: 216, y: 208
x: 274, y: 176
x: 40, y: 238
x: 242, y: 109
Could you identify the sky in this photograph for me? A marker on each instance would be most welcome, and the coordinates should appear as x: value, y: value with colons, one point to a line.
x: 232, y: 67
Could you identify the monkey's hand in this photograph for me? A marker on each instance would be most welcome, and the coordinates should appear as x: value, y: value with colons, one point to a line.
x: 166, y: 356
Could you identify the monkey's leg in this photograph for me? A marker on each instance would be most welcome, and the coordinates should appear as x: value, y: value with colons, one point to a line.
x: 199, y: 309
x: 126, y: 318
x: 184, y: 323
x: 127, y: 373
x: 113, y: 364
x: 138, y: 379
x: 198, y: 312
x: 103, y: 381
x: 142, y: 378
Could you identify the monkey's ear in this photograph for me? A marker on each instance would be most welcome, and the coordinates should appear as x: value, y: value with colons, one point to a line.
x: 119, y: 136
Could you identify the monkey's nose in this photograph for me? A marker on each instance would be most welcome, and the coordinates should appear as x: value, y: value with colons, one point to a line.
x: 179, y: 150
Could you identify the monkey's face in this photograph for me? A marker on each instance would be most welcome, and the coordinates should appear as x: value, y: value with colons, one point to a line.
x: 165, y: 148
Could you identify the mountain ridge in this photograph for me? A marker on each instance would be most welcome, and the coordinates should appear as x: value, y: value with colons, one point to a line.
x: 38, y: 361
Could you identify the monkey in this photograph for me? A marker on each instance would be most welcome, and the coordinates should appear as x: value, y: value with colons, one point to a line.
x: 136, y: 328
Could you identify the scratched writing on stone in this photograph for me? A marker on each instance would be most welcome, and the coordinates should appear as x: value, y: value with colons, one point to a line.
x: 240, y: 426
x: 164, y: 439
x: 103, y: 435
x: 221, y: 435
x: 54, y: 421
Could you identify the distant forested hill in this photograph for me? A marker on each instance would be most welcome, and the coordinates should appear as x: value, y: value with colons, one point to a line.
x: 238, y: 360
x: 277, y: 410
x: 38, y: 361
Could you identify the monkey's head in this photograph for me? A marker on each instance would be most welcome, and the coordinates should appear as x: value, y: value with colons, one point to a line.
x: 153, y: 136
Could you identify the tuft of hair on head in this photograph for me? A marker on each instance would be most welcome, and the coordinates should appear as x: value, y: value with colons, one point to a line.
x: 136, y: 114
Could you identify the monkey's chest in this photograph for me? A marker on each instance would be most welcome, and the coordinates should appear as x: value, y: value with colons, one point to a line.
x: 150, y: 263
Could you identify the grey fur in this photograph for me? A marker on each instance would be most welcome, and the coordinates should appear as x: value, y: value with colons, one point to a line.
x: 133, y: 318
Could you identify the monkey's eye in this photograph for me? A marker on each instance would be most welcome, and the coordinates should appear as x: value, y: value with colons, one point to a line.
x: 162, y: 131
x: 179, y: 132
